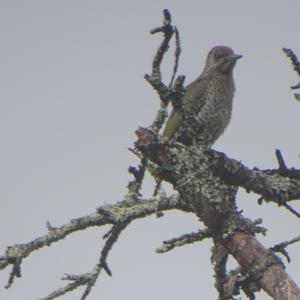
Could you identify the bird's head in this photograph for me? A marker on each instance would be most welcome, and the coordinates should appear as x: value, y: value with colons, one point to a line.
x: 222, y: 59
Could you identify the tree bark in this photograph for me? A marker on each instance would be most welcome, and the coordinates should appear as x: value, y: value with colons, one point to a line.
x: 248, y: 251
x: 208, y: 182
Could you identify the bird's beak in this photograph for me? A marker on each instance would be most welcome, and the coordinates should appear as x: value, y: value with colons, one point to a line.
x: 235, y: 56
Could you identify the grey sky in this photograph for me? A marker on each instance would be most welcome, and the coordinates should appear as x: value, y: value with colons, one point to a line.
x: 72, y: 93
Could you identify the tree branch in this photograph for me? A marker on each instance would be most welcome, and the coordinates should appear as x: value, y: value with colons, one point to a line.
x: 263, y: 266
x: 208, y: 180
x: 270, y: 184
x: 183, y: 240
x: 296, y: 65
x: 119, y: 214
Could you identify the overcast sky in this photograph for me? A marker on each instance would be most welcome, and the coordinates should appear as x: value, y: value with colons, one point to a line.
x: 71, y: 95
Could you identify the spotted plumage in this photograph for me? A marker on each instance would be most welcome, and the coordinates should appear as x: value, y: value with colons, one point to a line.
x: 209, y: 97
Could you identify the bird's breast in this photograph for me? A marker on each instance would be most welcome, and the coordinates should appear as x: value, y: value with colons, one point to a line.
x: 216, y: 112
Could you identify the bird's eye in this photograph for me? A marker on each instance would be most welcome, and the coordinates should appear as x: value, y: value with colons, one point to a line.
x: 218, y: 55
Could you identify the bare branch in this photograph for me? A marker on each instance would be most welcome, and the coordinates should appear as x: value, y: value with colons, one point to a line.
x: 183, y: 240
x: 291, y: 210
x: 295, y: 62
x: 281, y: 162
x: 77, y: 281
x: 112, y: 237
x: 168, y: 30
x: 135, y: 185
x: 177, y: 55
x: 155, y: 79
x: 281, y: 247
x: 120, y: 213
x: 296, y: 65
x: 16, y: 271
x: 283, y: 169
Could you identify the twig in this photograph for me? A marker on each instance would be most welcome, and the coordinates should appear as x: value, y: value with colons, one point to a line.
x: 291, y: 209
x: 161, y: 88
x: 155, y: 79
x: 114, y: 233
x: 16, y: 272
x: 281, y: 247
x: 77, y: 282
x: 283, y: 203
x: 296, y: 65
x: 219, y: 259
x: 177, y: 95
x: 168, y: 30
x: 177, y: 55
x: 294, y: 60
x: 135, y: 185
x: 89, y: 279
x: 281, y: 162
x: 183, y: 240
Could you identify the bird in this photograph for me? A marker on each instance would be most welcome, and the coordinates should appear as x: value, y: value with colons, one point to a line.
x: 209, y: 98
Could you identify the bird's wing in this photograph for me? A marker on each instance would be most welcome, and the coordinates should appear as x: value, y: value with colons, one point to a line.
x: 194, y: 97
x: 193, y: 100
x: 172, y: 125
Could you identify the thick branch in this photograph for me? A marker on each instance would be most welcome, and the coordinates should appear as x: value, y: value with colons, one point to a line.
x: 257, y: 261
x: 270, y: 184
x: 206, y: 180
